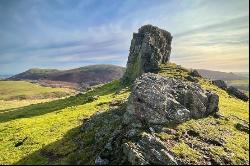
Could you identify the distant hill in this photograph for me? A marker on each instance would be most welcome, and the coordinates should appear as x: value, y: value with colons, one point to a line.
x: 244, y: 74
x: 218, y: 75
x: 83, y: 76
x: 33, y: 74
x: 4, y: 76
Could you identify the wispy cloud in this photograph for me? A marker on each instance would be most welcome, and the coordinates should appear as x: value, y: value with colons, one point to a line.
x: 231, y: 24
x: 219, y: 46
x: 67, y: 34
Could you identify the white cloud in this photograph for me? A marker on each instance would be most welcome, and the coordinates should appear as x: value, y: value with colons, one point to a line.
x: 202, y: 30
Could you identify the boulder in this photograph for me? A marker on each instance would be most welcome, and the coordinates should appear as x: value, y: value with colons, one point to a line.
x: 191, y: 78
x: 230, y: 90
x: 148, y: 150
x: 242, y: 127
x: 237, y: 93
x: 220, y: 83
x: 195, y: 73
x: 158, y: 100
x: 149, y: 48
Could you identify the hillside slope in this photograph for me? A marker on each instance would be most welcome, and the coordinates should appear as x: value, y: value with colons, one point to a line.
x: 26, y: 131
x: 79, y: 77
x: 75, y: 130
x: 92, y: 75
x: 33, y: 74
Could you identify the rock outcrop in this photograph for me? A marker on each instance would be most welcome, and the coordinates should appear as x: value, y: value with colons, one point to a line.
x: 142, y: 130
x: 230, y: 90
x: 150, y: 47
x: 156, y: 100
x: 237, y: 93
x: 195, y: 73
x: 220, y: 83
x: 148, y: 150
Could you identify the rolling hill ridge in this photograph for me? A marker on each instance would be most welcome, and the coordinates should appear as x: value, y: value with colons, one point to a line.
x: 82, y: 77
x: 218, y: 75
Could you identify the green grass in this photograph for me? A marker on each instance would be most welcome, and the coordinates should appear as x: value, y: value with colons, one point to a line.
x: 190, y: 155
x: 51, y: 132
x: 12, y: 104
x: 47, y: 123
x: 18, y: 90
x: 210, y: 132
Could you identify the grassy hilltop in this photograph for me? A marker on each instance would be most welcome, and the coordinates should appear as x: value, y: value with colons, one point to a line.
x: 50, y: 133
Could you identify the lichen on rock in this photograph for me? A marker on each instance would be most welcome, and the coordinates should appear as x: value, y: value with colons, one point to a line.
x: 155, y: 103
x: 158, y: 100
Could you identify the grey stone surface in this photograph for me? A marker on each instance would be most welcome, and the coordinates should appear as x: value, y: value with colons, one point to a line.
x: 158, y: 100
x: 148, y: 150
x: 150, y: 47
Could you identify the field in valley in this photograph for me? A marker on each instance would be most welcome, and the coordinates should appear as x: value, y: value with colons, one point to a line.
x: 18, y: 90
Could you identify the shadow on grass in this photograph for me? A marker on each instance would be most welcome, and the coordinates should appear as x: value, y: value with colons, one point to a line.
x: 54, y: 151
x: 43, y: 108
x: 81, y: 145
x: 78, y: 146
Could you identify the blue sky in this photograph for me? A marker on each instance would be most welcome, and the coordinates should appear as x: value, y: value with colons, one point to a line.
x: 63, y: 34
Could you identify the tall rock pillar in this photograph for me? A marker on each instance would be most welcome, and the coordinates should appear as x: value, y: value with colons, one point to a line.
x: 150, y: 47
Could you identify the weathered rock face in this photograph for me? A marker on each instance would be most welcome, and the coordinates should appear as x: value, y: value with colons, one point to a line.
x: 149, y: 48
x: 237, y: 93
x: 220, y: 83
x: 149, y: 150
x: 158, y: 100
